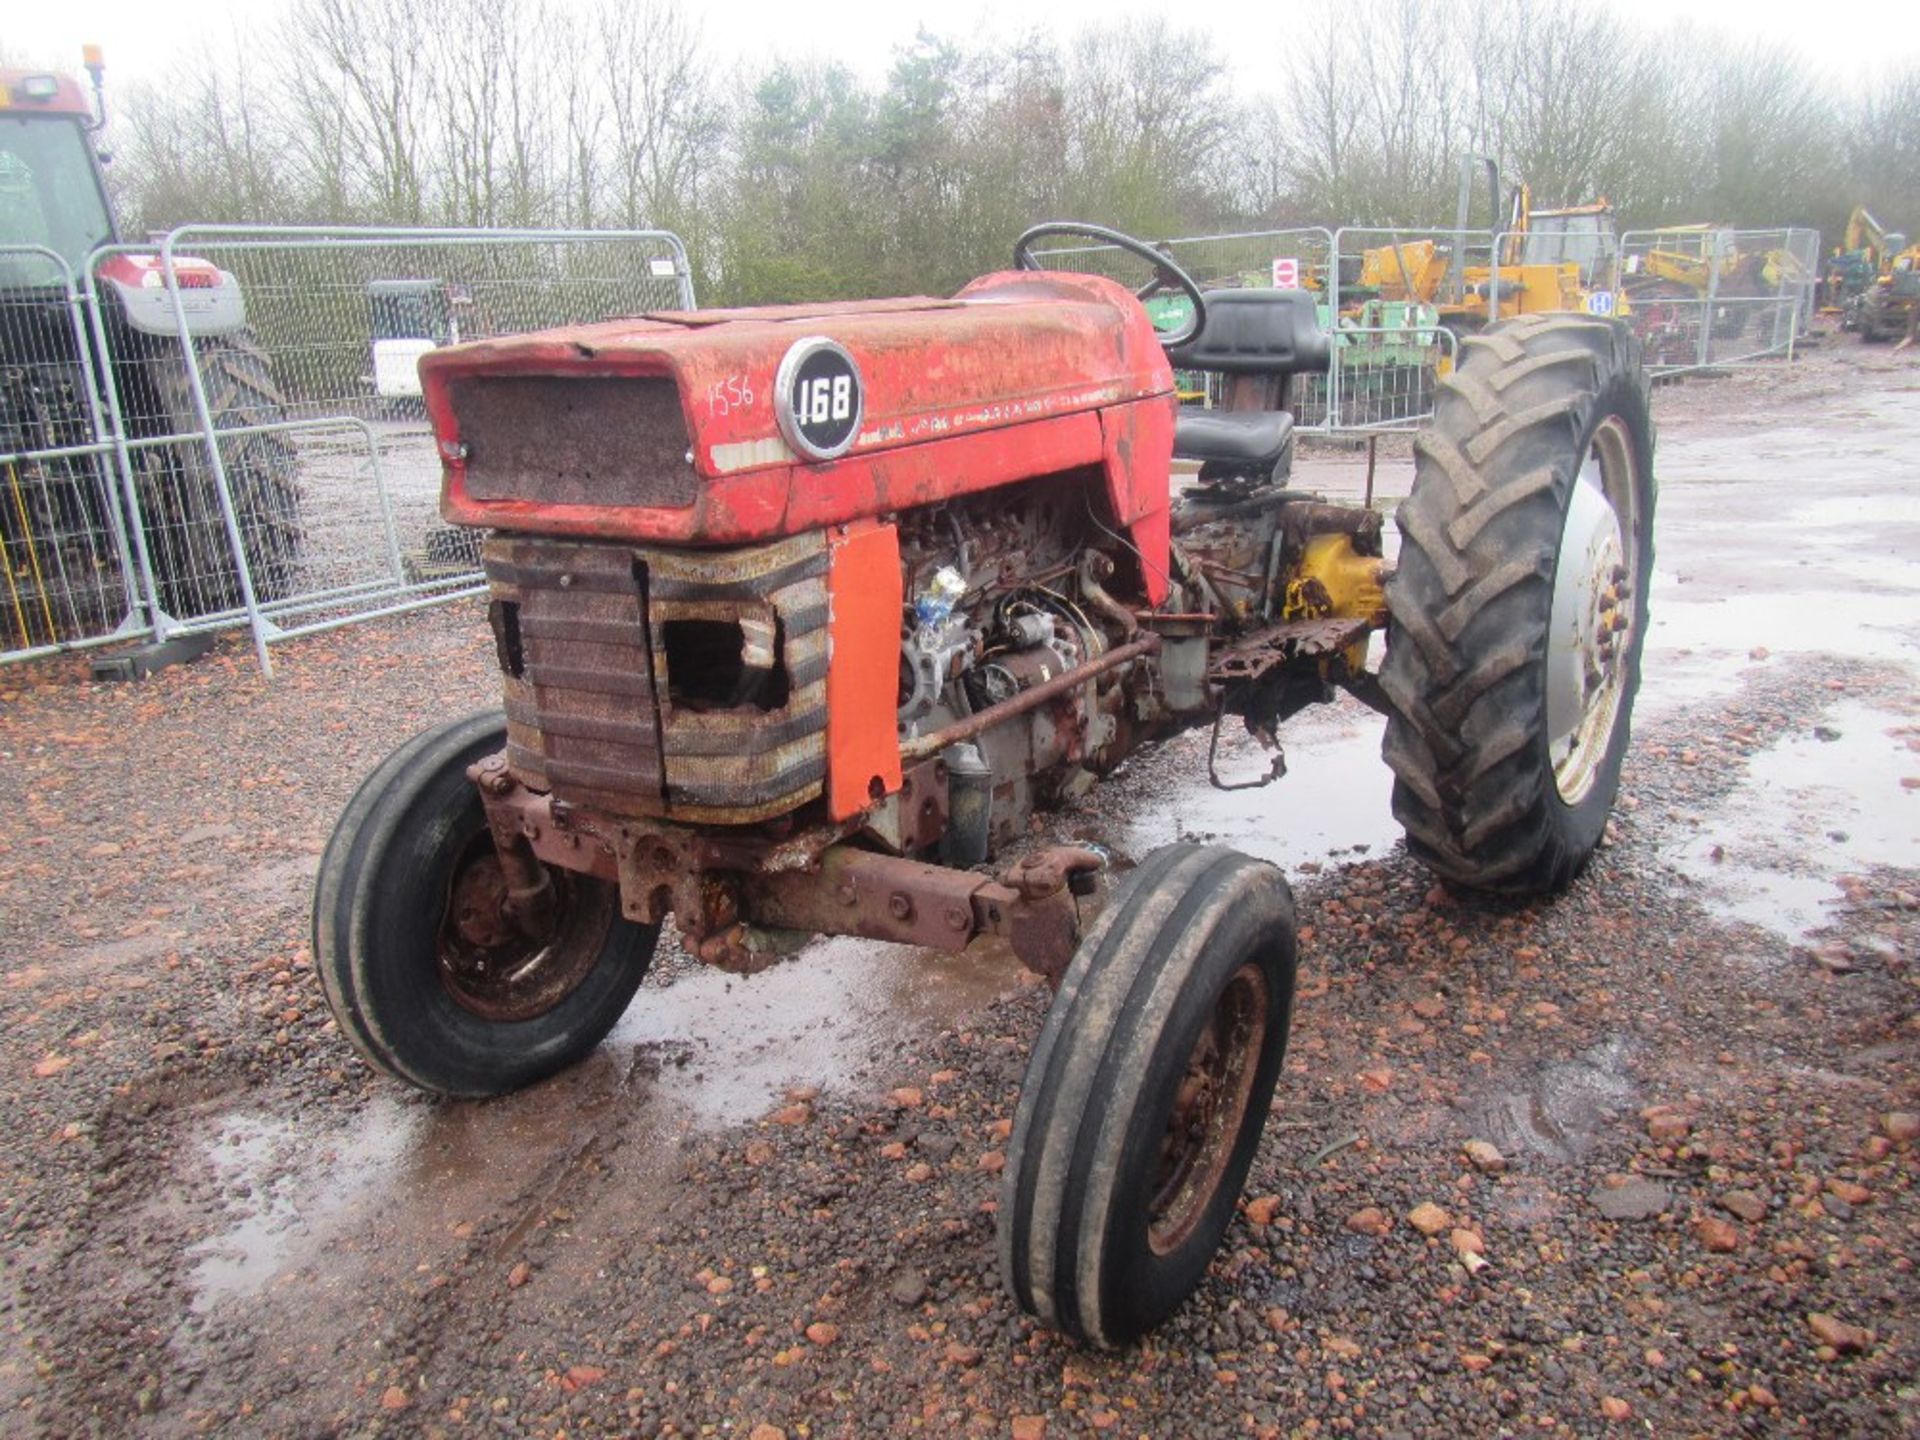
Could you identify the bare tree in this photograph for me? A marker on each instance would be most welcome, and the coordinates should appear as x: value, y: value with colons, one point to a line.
x: 666, y: 128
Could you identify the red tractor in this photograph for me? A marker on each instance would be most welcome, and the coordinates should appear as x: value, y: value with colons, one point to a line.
x: 802, y: 611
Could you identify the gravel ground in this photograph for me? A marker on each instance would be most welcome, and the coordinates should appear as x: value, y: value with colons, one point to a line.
x: 1691, y: 1207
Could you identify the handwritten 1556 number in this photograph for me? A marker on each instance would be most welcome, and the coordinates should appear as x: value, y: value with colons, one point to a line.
x: 733, y: 393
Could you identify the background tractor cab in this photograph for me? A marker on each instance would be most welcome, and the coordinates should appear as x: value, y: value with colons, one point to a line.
x: 408, y: 318
x: 51, y: 195
x: 1581, y: 235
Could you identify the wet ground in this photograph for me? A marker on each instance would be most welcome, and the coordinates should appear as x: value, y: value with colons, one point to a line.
x: 764, y: 1205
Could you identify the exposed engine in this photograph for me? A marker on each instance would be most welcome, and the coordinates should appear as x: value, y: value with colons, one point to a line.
x: 1003, y: 594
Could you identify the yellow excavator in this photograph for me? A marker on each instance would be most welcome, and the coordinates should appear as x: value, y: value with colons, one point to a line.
x: 1552, y: 259
x: 1874, y: 279
x: 1855, y: 263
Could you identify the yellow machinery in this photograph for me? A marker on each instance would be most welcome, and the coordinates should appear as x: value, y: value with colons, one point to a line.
x: 1684, y: 261
x: 1856, y: 263
x: 1890, y: 306
x: 1559, y: 259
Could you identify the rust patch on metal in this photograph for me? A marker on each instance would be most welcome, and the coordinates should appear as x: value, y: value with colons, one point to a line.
x: 575, y: 440
x: 595, y: 711
x: 1278, y: 644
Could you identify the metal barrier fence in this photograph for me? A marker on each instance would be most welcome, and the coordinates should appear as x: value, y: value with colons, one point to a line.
x: 1701, y: 297
x: 69, y: 570
x: 1296, y: 259
x: 278, y: 472
x: 1382, y: 376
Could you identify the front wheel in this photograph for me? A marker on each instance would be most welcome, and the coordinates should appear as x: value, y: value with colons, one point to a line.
x: 1519, y: 607
x: 1146, y: 1094
x: 424, y: 971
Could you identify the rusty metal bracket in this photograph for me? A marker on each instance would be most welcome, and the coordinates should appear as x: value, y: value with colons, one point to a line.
x: 886, y: 897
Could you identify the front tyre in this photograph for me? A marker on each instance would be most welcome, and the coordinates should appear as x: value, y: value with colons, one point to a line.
x: 422, y: 969
x: 1146, y: 1094
x: 1519, y: 608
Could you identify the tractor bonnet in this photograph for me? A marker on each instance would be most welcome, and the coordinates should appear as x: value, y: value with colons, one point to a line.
x: 722, y: 426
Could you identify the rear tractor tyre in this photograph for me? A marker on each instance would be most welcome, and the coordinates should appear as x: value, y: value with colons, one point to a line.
x: 193, y: 563
x: 424, y: 973
x: 1519, y: 608
x: 1146, y: 1094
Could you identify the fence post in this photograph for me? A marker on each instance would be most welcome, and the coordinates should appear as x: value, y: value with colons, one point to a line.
x: 102, y: 435
x: 1333, y: 330
x: 157, y: 617
x: 1713, y: 289
x: 203, y: 412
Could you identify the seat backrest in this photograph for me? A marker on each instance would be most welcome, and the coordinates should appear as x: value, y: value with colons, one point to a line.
x: 1256, y: 332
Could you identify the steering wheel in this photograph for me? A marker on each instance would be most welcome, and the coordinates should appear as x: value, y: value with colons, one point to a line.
x: 1167, y: 275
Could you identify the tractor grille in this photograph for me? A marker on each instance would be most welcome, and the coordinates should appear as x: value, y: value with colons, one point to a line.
x: 599, y: 440
x: 629, y: 680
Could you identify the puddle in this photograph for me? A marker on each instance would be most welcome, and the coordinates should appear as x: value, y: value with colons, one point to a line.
x: 1858, y: 512
x: 1808, y: 811
x: 733, y: 1043
x: 1698, y: 648
x: 1333, y: 803
x: 281, y: 1193
x: 1558, y: 1111
x: 1758, y: 533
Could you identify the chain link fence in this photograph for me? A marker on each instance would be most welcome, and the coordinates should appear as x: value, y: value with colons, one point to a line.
x: 273, y: 467
x: 1701, y: 297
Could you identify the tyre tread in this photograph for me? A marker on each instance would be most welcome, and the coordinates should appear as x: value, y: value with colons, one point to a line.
x: 1478, y: 537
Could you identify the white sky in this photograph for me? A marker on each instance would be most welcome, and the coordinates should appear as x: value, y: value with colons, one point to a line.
x: 143, y: 38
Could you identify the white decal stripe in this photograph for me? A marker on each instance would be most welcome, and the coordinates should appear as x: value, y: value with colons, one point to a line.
x: 746, y: 454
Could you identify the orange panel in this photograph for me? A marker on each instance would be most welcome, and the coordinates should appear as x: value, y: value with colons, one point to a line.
x: 863, y: 667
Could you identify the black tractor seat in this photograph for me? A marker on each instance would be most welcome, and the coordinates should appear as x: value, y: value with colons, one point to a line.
x: 1244, y: 440
x: 1257, y: 332
x: 1259, y: 339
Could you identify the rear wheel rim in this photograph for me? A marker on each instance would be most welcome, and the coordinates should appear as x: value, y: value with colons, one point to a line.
x: 489, y: 966
x: 1209, y: 1110
x: 1590, y: 631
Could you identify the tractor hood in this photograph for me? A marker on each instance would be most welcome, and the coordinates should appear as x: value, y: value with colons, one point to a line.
x: 723, y: 426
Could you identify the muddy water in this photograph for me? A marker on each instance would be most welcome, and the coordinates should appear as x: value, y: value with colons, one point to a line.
x: 306, y: 1210
x: 1797, y: 540
x: 732, y: 1044
x: 1817, y: 806
x: 285, y: 1192
x: 1331, y: 803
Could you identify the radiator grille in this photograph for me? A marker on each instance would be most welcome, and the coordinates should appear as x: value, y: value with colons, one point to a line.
x: 600, y: 440
x: 592, y: 708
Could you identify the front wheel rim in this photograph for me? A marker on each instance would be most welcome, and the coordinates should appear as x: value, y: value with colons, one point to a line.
x: 1209, y: 1110
x: 1590, y: 634
x: 489, y: 967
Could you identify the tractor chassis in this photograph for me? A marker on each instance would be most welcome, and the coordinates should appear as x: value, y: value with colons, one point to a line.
x: 745, y: 901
